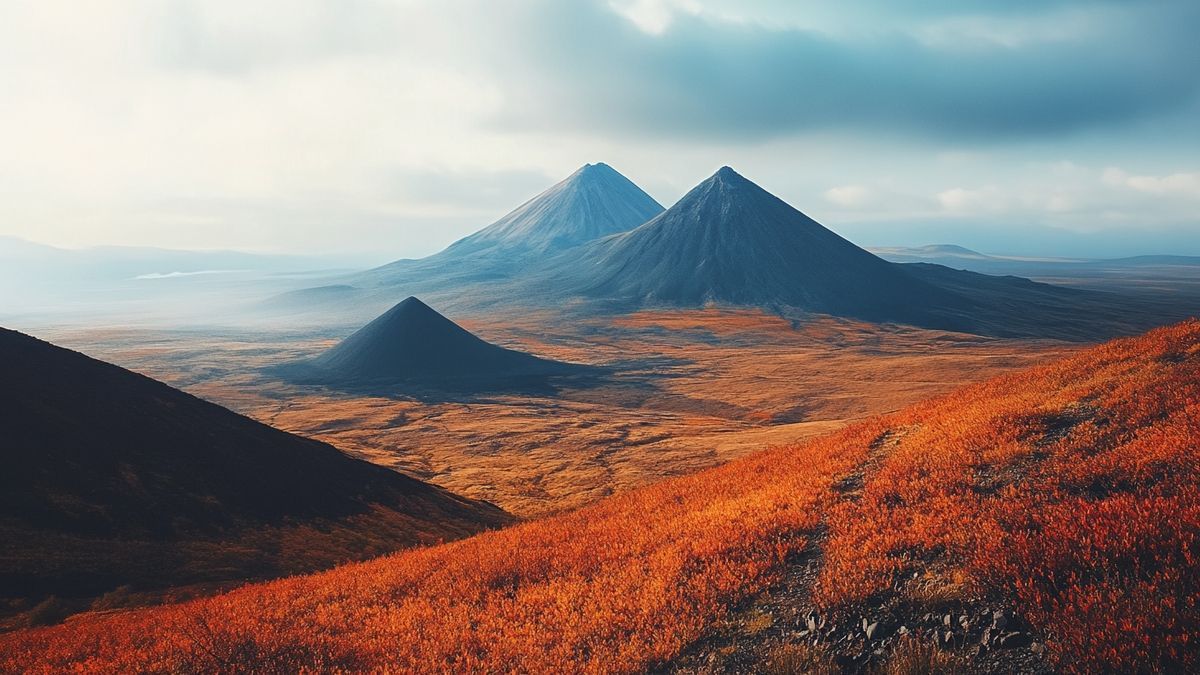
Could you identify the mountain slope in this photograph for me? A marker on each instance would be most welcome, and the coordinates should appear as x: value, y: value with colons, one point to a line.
x: 112, y: 478
x: 593, y: 202
x: 1051, y: 516
x: 412, y: 342
x: 730, y: 241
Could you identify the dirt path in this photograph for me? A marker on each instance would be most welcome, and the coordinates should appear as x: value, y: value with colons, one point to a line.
x: 782, y: 630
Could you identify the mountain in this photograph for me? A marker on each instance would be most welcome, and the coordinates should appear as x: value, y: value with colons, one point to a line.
x: 1040, y: 522
x: 111, y: 478
x: 413, y: 343
x: 593, y: 202
x: 730, y: 241
x: 934, y: 253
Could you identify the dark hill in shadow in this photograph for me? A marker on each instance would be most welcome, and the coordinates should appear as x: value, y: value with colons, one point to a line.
x: 412, y: 348
x: 111, y: 478
x: 728, y: 241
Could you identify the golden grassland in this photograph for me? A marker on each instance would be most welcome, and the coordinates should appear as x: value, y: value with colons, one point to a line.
x: 1069, y: 489
x: 691, y: 389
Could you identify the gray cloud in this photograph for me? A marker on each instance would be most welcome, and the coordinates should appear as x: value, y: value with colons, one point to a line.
x: 591, y: 69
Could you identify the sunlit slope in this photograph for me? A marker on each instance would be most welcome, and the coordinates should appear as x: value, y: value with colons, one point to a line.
x: 1066, y: 494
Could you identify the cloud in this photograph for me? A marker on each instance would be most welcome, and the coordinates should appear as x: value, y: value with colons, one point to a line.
x: 1185, y: 184
x: 400, y: 125
x: 848, y: 195
x: 588, y: 68
x: 962, y: 201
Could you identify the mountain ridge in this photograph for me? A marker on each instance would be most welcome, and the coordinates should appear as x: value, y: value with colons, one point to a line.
x: 728, y: 240
x: 594, y: 201
x: 116, y: 478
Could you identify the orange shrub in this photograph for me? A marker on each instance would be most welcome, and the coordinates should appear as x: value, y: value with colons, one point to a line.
x: 1068, y: 489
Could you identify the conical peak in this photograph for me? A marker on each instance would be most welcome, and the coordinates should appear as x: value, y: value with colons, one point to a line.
x: 724, y: 186
x: 727, y: 176
x: 410, y: 308
x: 597, y: 170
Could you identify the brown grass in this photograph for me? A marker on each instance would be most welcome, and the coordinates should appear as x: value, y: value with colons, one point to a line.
x: 913, y: 657
x: 695, y: 389
x: 800, y: 659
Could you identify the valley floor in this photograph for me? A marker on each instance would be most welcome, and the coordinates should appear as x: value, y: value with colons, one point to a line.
x: 688, y: 390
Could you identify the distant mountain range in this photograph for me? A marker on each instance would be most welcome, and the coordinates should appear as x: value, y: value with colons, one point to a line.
x: 113, y: 479
x: 729, y: 242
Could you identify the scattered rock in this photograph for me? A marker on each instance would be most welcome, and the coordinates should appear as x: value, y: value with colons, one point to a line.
x: 1014, y: 639
x: 999, y: 620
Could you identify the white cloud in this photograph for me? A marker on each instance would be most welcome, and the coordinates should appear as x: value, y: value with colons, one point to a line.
x: 963, y: 201
x: 1186, y: 184
x: 302, y: 125
x: 653, y: 16
x: 849, y: 195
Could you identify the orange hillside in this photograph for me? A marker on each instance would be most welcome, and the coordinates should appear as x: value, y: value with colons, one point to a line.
x: 1066, y: 494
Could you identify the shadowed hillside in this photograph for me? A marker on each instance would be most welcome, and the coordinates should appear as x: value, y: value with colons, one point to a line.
x: 112, y: 479
x: 411, y: 343
x: 730, y: 241
x: 1047, y: 519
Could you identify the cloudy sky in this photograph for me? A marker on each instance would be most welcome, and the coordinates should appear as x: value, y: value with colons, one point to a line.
x: 1067, y: 127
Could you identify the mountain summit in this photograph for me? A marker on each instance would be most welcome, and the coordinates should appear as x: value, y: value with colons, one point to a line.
x: 412, y: 342
x: 593, y: 202
x: 729, y: 240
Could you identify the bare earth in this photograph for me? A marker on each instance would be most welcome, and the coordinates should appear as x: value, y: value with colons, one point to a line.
x: 688, y: 390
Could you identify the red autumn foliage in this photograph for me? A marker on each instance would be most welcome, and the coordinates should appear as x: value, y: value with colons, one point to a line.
x: 1069, y: 489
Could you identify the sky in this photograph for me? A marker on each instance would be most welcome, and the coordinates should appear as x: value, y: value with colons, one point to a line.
x: 1033, y: 127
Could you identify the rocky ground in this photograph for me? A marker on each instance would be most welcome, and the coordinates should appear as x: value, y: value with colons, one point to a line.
x: 913, y: 628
